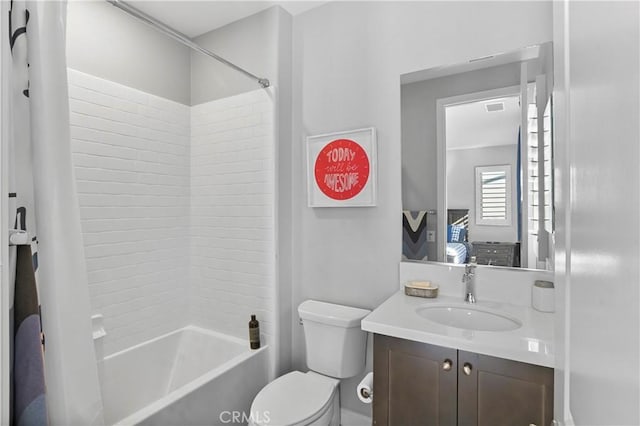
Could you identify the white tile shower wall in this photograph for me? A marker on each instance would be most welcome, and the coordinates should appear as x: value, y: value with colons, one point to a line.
x: 131, y: 159
x: 232, y: 213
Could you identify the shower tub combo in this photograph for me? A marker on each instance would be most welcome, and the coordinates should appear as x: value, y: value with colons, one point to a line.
x: 191, y: 376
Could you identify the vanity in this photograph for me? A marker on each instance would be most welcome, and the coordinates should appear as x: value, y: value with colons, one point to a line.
x: 448, y: 386
x: 477, y: 187
x: 444, y: 361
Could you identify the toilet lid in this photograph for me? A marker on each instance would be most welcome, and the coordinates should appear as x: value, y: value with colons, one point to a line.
x: 294, y: 398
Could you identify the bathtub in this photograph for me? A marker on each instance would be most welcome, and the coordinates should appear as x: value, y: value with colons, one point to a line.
x: 191, y: 376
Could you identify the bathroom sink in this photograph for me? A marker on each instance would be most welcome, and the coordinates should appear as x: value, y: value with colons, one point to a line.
x: 469, y: 317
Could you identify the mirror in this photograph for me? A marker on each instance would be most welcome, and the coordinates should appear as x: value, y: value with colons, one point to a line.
x: 477, y: 161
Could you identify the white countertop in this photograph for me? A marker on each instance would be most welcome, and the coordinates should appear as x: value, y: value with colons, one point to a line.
x: 531, y: 343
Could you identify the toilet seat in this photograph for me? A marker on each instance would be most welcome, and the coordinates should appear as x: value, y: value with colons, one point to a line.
x: 294, y: 399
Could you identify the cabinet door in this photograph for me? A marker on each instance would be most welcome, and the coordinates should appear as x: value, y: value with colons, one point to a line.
x: 494, y: 391
x: 413, y: 383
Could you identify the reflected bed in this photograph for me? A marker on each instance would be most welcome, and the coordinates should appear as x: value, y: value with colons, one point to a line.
x: 458, y: 247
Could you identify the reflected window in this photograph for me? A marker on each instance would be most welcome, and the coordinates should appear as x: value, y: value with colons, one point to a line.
x: 493, y: 195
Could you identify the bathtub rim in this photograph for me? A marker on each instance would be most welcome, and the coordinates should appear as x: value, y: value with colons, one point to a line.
x: 157, y: 405
x: 176, y: 331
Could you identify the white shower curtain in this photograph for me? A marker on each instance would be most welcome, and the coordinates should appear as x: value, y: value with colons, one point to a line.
x: 43, y: 190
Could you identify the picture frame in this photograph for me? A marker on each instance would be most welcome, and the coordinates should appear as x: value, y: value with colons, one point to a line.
x: 342, y: 169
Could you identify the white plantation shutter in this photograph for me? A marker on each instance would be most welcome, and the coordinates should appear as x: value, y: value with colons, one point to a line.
x: 493, y: 195
x: 540, y: 178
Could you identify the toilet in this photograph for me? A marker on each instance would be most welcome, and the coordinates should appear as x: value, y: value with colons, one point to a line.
x: 336, y: 349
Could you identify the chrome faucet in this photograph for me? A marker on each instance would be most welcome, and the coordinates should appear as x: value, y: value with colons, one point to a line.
x: 469, y: 279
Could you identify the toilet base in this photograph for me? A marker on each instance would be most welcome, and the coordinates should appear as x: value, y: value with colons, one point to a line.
x: 330, y: 418
x: 329, y: 415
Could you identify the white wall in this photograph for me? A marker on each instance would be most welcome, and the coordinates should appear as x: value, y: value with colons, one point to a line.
x: 131, y: 160
x: 599, y: 269
x: 284, y: 189
x: 250, y: 43
x: 5, y: 302
x: 348, y: 58
x: 562, y: 202
x: 461, y: 188
x: 106, y: 42
x: 233, y: 214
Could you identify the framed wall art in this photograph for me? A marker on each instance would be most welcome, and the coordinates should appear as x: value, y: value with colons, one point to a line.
x: 342, y: 169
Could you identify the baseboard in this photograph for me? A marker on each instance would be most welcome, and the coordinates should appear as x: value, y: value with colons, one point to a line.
x: 351, y: 418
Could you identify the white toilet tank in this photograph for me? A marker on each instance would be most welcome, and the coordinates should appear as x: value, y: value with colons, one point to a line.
x: 336, y: 346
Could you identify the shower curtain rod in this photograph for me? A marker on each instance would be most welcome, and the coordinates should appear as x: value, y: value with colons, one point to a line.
x: 138, y: 14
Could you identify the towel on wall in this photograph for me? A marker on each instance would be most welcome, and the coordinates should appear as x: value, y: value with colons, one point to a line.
x: 29, y: 404
x: 414, y: 235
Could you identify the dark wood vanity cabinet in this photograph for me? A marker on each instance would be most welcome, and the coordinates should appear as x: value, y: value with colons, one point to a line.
x: 410, y: 385
x: 421, y: 384
x: 503, y: 392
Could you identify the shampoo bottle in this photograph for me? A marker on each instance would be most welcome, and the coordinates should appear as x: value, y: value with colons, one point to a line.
x: 254, y: 333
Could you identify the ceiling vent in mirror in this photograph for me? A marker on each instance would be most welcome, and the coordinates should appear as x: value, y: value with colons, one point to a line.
x: 494, y: 106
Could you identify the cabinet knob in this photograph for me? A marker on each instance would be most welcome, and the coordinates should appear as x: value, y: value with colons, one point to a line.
x: 447, y: 364
x: 467, y: 369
